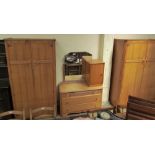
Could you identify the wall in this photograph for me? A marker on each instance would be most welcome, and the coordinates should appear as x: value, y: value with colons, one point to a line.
x: 65, y: 43
x: 108, y: 42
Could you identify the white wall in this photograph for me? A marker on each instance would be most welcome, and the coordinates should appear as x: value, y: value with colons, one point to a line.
x: 107, y: 56
x: 65, y: 43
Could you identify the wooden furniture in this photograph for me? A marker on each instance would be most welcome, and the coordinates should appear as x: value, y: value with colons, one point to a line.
x: 92, y: 71
x: 74, y: 68
x: 73, y: 78
x: 45, y: 113
x: 76, y: 97
x: 5, y: 95
x: 16, y: 114
x: 32, y: 74
x: 140, y: 109
x: 133, y: 71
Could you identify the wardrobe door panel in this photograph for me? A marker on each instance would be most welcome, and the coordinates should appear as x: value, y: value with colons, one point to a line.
x: 43, y: 85
x: 148, y: 80
x: 131, y: 82
x: 43, y: 66
x: 135, y: 55
x: 43, y: 50
x: 135, y: 50
x: 20, y: 73
x: 151, y: 52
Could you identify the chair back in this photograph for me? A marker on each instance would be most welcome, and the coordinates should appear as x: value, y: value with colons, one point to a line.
x: 18, y: 115
x: 140, y: 109
x: 42, y: 113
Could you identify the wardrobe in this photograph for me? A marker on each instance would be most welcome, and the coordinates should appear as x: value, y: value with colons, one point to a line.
x: 32, y: 73
x: 133, y: 71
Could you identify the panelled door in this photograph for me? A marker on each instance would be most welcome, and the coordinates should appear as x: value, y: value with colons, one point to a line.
x: 135, y: 54
x: 43, y: 69
x: 31, y: 65
x: 148, y: 79
x: 20, y: 73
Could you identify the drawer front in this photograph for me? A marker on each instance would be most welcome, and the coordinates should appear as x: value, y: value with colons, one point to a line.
x: 84, y: 103
x: 82, y: 99
x: 81, y: 93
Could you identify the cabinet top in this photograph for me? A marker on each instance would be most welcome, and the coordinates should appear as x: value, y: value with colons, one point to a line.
x: 66, y: 87
x: 92, y: 61
x: 37, y: 39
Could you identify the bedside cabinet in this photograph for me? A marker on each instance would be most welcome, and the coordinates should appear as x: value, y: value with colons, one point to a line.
x: 92, y: 71
x: 76, y: 97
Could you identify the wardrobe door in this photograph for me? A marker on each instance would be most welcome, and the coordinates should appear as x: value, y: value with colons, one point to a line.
x: 20, y: 73
x: 135, y: 53
x: 148, y: 79
x: 43, y: 68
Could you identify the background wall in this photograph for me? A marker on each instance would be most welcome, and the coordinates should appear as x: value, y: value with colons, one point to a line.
x: 65, y: 43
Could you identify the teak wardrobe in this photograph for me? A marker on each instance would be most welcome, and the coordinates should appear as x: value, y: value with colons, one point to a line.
x: 32, y: 73
x: 133, y: 71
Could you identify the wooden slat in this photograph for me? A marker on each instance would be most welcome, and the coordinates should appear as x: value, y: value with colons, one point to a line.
x: 138, y: 108
x: 42, y: 113
x: 145, y: 109
x: 141, y: 113
x: 19, y: 114
x: 135, y: 117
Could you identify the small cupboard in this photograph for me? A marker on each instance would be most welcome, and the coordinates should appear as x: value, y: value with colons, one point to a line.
x: 92, y: 71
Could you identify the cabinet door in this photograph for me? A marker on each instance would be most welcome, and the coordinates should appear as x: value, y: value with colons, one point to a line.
x: 148, y: 79
x: 135, y: 54
x: 20, y: 73
x: 43, y: 68
x: 131, y: 82
x: 96, y: 74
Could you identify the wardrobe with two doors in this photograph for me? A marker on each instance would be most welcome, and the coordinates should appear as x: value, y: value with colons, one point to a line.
x: 133, y: 71
x: 32, y: 73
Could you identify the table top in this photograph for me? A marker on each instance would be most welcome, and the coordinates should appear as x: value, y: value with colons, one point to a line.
x: 92, y: 61
x: 75, y: 86
x: 73, y: 77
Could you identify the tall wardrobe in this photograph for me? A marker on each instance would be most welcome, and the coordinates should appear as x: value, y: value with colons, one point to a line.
x: 133, y: 71
x: 32, y: 73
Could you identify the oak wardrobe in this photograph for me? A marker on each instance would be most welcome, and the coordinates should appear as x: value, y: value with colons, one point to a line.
x: 32, y: 73
x: 133, y: 71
